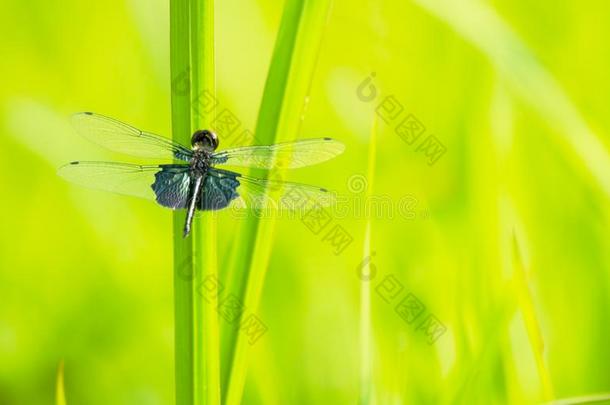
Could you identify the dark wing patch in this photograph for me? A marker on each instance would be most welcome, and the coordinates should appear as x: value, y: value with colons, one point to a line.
x: 172, y: 185
x: 219, y: 189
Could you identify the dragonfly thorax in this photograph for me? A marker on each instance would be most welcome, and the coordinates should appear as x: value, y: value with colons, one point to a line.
x: 200, y: 161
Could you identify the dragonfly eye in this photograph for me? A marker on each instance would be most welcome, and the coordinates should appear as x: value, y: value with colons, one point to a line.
x: 205, y: 139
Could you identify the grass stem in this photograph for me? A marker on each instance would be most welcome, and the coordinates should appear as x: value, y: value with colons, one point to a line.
x: 366, y: 332
x: 183, y: 248
x: 207, y: 367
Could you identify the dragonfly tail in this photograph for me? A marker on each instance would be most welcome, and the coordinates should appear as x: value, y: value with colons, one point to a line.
x: 192, y: 204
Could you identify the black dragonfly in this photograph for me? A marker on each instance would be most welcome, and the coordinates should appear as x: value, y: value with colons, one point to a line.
x: 197, y: 184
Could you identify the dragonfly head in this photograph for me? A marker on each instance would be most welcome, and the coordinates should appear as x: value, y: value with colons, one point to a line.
x: 205, y: 139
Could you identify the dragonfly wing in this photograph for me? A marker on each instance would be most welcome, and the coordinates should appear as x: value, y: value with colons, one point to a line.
x: 288, y: 155
x: 218, y: 191
x: 167, y: 184
x: 120, y: 137
x: 172, y: 186
x: 272, y: 194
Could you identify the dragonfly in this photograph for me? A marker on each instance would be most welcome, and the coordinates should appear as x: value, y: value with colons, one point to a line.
x: 193, y: 181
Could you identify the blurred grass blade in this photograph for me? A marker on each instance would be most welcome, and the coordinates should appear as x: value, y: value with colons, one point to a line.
x: 206, y: 344
x: 282, y: 108
x: 483, y: 27
x: 366, y: 345
x: 532, y: 326
x: 183, y: 247
x: 585, y: 399
x: 239, y: 274
x: 60, y: 394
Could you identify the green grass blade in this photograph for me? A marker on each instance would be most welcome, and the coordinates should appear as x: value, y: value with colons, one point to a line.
x: 183, y: 248
x: 480, y: 24
x: 206, y: 349
x: 60, y: 394
x: 530, y: 318
x: 366, y: 344
x: 585, y: 399
x: 268, y: 120
x: 282, y: 108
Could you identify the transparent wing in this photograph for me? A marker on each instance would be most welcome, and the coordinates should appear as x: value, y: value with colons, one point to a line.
x: 167, y: 184
x: 120, y: 137
x: 273, y: 194
x: 289, y: 155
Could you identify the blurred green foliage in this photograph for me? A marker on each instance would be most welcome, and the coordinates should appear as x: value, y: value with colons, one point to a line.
x: 516, y: 91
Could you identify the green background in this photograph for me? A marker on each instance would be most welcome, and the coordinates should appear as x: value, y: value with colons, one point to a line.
x: 517, y: 92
